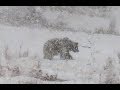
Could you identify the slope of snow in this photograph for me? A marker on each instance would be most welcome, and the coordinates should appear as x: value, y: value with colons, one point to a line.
x: 79, y: 22
x: 86, y: 67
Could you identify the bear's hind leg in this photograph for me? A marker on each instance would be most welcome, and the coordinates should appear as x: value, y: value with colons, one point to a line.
x: 48, y: 57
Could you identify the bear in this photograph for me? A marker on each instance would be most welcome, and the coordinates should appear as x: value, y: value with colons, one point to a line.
x: 59, y: 46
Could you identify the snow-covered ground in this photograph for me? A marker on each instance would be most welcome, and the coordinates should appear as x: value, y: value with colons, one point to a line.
x: 22, y: 47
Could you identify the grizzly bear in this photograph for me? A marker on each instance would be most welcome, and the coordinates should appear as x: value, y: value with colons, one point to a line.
x: 60, y: 46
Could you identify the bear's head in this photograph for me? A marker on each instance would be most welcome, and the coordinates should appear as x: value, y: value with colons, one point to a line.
x: 71, y: 45
x: 75, y: 47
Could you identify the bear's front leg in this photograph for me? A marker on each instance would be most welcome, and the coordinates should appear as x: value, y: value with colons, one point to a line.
x: 68, y: 56
x: 65, y: 56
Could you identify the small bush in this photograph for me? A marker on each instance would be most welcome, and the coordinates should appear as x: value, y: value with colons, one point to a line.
x: 49, y: 77
x: 100, y: 31
x: 111, y: 76
x: 15, y: 71
x: 2, y: 73
x: 118, y: 55
x: 23, y: 54
x: 6, y: 53
x: 36, y: 73
x: 106, y: 31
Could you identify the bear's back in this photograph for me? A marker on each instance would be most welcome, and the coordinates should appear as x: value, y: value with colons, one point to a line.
x: 53, y: 43
x: 56, y: 43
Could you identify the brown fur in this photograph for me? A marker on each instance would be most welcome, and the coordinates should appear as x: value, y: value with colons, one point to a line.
x: 59, y: 46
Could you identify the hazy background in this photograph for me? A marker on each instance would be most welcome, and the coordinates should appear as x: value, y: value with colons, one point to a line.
x: 72, y: 18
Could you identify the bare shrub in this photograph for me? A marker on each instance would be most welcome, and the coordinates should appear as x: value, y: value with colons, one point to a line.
x: 8, y: 71
x: 6, y: 53
x: 15, y: 71
x: 112, y: 27
x: 100, y: 31
x: 39, y: 75
x: 36, y: 73
x: 2, y: 73
x: 111, y: 30
x: 106, y: 31
x: 49, y: 77
x: 111, y: 76
x: 118, y: 56
x: 23, y: 54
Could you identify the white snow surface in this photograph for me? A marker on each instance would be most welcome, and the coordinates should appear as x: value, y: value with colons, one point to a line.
x: 87, y: 66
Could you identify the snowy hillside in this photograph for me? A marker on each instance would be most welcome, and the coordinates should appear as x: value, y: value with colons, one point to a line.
x: 22, y: 41
x: 22, y: 47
